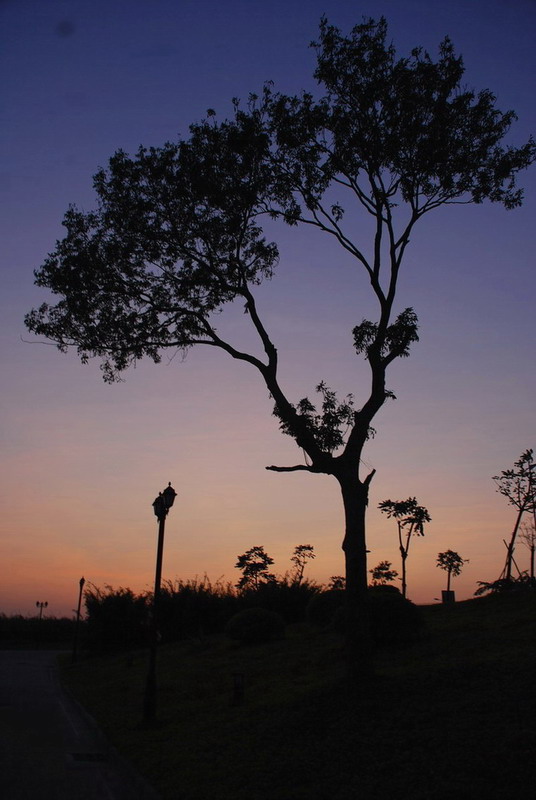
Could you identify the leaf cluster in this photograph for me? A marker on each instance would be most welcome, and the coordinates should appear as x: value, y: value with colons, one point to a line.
x: 451, y: 562
x: 394, y: 343
x: 328, y: 424
x: 408, y: 514
x: 410, y: 121
x: 382, y: 574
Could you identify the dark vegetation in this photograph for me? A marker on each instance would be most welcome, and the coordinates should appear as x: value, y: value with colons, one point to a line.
x: 118, y: 619
x: 448, y: 713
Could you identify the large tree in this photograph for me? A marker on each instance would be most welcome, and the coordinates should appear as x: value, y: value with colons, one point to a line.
x: 177, y: 233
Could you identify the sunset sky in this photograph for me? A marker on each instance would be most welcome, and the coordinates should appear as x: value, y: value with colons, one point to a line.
x: 82, y: 461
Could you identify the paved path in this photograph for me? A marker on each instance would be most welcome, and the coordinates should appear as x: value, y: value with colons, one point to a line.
x: 50, y: 749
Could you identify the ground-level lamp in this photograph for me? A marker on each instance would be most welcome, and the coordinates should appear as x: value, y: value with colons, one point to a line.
x: 77, y: 623
x: 161, y: 506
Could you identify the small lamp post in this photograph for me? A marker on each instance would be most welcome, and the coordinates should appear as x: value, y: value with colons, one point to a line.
x: 77, y: 624
x: 161, y: 506
x: 40, y: 606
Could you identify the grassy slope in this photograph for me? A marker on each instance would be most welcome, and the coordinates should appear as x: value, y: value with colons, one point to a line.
x: 449, y: 717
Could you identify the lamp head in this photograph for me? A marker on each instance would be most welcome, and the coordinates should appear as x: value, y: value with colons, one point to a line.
x: 164, y: 501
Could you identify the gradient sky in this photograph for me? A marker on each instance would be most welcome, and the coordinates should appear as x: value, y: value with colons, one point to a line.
x: 82, y: 461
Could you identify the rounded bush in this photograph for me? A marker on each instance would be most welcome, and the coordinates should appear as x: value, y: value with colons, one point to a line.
x: 393, y: 620
x: 323, y: 606
x: 255, y: 625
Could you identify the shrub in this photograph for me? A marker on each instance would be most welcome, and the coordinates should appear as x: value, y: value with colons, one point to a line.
x: 323, y: 607
x: 393, y: 619
x: 255, y: 625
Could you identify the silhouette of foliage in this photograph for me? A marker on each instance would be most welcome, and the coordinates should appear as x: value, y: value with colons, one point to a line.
x: 523, y: 583
x: 117, y: 619
x: 285, y: 596
x: 194, y: 608
x: 383, y: 574
x: 337, y: 582
x: 177, y: 235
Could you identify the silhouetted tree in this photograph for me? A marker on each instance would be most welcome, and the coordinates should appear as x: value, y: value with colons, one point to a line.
x: 518, y: 485
x: 410, y: 518
x: 451, y: 562
x: 254, y: 565
x: 302, y: 554
x: 382, y: 573
x: 177, y: 235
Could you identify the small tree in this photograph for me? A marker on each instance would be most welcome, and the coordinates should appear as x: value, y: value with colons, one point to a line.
x: 254, y: 565
x: 383, y: 574
x: 410, y: 518
x: 451, y: 562
x: 302, y: 553
x: 518, y: 485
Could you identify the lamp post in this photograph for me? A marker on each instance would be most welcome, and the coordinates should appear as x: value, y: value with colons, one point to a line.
x: 40, y: 606
x: 77, y: 624
x: 161, y: 506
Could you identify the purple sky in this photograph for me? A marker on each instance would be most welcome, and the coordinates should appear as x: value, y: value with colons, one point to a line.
x: 82, y: 461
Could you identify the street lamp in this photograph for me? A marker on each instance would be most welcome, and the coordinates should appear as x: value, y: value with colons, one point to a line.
x: 77, y: 624
x: 40, y: 606
x: 161, y: 506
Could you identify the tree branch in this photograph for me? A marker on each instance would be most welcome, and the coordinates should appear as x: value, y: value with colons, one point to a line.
x: 297, y: 468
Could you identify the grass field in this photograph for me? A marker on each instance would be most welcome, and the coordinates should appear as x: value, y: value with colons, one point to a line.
x: 452, y: 716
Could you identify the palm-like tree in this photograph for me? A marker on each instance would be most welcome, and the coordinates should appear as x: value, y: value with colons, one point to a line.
x: 451, y: 562
x: 410, y: 518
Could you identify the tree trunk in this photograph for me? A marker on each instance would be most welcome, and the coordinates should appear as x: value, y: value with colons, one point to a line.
x: 404, y: 556
x: 358, y: 643
x: 448, y: 580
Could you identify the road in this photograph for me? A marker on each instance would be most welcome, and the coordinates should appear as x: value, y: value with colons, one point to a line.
x: 50, y: 749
